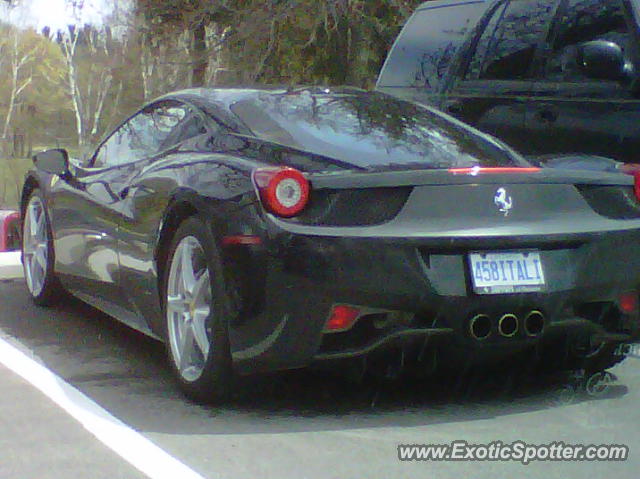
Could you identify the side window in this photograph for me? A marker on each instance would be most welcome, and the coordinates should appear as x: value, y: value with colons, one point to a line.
x: 193, y: 126
x: 115, y: 150
x: 146, y: 134
x: 508, y: 44
x: 482, y: 47
x: 151, y: 130
x: 584, y: 21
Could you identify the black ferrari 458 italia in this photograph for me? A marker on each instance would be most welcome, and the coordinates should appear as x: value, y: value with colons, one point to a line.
x: 257, y: 230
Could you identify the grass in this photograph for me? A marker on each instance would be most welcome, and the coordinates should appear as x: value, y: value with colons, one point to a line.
x: 12, y: 171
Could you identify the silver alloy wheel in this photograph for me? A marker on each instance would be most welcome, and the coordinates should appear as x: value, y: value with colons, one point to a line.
x: 35, y: 246
x: 188, y: 308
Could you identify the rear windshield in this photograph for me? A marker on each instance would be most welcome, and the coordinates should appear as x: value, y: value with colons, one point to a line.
x: 368, y: 130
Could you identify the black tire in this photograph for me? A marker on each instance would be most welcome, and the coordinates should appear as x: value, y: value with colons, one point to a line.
x: 213, y: 382
x: 607, y: 357
x: 48, y: 289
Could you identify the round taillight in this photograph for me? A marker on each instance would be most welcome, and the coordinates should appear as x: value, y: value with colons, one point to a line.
x: 283, y: 191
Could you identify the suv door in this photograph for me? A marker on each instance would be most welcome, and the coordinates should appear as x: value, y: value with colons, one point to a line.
x: 572, y: 111
x: 494, y: 79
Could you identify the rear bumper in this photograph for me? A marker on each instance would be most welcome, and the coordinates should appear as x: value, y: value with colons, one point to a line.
x: 417, y: 339
x: 427, y: 289
x: 407, y: 337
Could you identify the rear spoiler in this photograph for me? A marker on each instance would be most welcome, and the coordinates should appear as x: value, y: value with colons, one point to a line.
x: 458, y: 176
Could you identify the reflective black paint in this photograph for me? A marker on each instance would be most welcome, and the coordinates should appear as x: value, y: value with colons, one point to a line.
x: 112, y: 227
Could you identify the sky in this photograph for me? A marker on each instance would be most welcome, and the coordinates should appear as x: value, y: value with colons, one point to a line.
x: 54, y: 13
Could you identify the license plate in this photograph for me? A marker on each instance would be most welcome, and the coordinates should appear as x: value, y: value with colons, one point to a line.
x: 506, y: 272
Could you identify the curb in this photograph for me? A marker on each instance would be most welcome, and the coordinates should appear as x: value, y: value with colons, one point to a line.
x: 10, y: 265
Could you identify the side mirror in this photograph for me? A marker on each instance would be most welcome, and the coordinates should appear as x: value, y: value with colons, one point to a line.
x: 601, y: 60
x: 54, y: 161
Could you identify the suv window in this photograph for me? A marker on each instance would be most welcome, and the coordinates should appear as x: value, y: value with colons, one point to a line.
x: 583, y: 21
x: 507, y: 46
x: 428, y: 44
x: 146, y: 134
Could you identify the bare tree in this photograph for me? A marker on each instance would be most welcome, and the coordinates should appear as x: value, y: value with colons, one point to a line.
x: 69, y: 48
x: 18, y: 60
x: 94, y: 59
x: 91, y: 55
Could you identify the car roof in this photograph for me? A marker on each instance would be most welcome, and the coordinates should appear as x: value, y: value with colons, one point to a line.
x: 227, y: 96
x: 220, y: 100
x: 448, y: 3
x: 220, y: 95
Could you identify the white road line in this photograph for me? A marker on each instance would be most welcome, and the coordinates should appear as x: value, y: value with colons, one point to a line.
x: 132, y: 446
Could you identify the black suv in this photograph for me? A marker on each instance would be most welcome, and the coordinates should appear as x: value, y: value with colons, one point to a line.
x: 546, y: 76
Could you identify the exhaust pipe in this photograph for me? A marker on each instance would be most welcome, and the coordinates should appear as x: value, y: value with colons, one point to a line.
x: 508, y: 325
x: 534, y: 323
x: 480, y: 326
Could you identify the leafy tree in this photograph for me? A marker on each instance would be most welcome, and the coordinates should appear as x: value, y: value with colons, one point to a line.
x: 276, y: 41
x: 30, y: 75
x: 164, y: 17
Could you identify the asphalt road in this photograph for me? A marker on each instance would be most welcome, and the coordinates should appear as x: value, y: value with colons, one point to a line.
x: 301, y: 424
